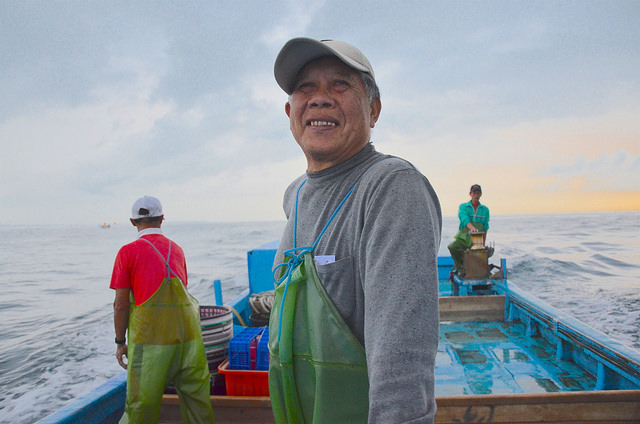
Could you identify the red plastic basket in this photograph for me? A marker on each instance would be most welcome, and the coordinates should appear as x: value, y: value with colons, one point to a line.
x: 244, y: 382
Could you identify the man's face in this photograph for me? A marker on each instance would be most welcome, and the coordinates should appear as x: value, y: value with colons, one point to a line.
x: 329, y: 112
x: 475, y: 195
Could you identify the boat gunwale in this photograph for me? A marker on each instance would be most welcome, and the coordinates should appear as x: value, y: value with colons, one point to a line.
x: 608, y: 351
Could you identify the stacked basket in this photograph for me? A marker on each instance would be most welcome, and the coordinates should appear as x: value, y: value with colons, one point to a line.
x: 246, y: 371
x: 217, y: 330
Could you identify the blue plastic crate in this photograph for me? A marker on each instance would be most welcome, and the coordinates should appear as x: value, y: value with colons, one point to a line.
x: 263, y: 351
x: 242, y: 349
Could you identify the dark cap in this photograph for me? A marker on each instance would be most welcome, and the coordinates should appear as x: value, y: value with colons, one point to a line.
x: 475, y: 187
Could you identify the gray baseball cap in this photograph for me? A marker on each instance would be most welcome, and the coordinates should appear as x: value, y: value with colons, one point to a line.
x: 297, y: 52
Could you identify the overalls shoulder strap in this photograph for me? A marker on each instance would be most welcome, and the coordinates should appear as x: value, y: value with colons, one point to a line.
x: 166, y: 261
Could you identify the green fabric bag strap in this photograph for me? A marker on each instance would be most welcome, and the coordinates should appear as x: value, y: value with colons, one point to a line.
x: 307, y: 380
x: 293, y: 409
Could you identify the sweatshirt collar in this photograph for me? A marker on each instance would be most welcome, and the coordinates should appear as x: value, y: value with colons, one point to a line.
x: 351, y: 163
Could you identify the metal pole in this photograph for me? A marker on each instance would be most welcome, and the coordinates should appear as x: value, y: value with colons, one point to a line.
x: 217, y: 288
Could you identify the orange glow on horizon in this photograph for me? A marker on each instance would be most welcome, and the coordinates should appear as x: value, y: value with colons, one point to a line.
x: 568, y: 202
x: 548, y: 203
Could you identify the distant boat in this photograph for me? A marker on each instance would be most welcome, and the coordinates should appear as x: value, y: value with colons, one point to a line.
x: 105, y: 225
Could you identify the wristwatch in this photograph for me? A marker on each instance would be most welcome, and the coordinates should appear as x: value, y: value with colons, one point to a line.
x: 121, y: 342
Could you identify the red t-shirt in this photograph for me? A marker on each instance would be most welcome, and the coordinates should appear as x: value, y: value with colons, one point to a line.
x: 138, y: 266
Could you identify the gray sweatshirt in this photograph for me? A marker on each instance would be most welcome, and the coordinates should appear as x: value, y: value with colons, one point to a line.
x: 384, y: 281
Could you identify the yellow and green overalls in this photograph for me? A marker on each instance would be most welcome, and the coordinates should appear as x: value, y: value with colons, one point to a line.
x: 165, y: 346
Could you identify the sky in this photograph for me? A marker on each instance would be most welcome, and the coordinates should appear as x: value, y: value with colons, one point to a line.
x: 102, y: 102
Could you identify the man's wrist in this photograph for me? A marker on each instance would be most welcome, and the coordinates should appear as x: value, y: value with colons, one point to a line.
x: 121, y: 342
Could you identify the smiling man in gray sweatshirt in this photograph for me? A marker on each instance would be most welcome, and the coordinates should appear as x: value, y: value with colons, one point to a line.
x: 354, y: 330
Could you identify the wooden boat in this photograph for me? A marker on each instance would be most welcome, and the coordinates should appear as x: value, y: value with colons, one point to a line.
x: 504, y: 357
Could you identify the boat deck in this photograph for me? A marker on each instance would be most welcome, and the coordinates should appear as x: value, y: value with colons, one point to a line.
x: 497, y: 357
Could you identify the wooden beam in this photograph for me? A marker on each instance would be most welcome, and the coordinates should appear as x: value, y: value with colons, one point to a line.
x: 614, y: 406
x: 227, y: 410
x: 598, y: 407
x: 472, y: 308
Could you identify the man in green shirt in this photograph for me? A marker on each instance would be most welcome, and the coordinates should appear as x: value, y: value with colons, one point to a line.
x: 474, y: 218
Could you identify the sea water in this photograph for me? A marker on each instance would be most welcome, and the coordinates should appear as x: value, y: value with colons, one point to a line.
x: 56, y: 313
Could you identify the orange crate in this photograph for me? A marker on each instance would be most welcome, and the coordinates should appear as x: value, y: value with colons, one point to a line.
x: 244, y: 382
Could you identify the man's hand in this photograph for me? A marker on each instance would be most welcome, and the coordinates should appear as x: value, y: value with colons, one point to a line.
x: 121, y: 322
x: 121, y: 353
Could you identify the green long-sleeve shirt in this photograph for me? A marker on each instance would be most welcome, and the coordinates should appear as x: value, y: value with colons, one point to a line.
x: 467, y: 214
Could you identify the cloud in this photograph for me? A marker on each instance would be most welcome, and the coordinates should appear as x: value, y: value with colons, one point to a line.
x: 238, y: 194
x: 609, y: 172
x: 104, y: 102
x: 56, y: 140
x: 295, y: 21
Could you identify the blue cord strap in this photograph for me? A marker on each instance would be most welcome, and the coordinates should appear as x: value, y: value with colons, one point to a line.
x: 295, y: 260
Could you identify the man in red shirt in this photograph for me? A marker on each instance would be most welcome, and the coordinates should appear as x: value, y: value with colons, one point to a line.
x: 163, y: 323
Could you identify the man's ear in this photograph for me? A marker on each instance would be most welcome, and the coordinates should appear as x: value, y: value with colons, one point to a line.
x: 287, y: 109
x: 376, y: 108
